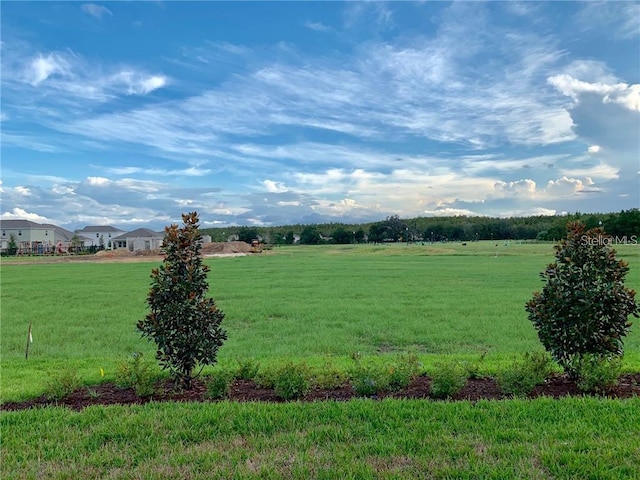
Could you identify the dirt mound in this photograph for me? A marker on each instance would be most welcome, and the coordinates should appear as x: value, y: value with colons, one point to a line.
x: 225, y: 248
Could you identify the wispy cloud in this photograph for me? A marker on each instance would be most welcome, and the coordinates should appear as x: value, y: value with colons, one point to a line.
x: 94, y: 10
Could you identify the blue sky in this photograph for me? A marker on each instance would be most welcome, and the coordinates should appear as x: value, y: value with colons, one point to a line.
x: 271, y: 113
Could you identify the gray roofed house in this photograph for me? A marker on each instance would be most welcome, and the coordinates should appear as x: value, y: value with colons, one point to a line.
x: 32, y: 237
x: 139, y: 240
x: 100, y: 235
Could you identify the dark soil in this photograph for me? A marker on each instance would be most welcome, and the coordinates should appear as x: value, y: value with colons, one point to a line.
x: 247, y: 391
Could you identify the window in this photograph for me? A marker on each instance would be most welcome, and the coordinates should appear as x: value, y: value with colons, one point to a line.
x: 97, y: 235
x: 4, y: 234
x: 46, y: 232
x: 19, y: 232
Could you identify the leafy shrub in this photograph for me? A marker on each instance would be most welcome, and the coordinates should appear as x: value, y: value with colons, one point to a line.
x: 584, y: 306
x: 368, y: 379
x: 182, y: 321
x: 62, y: 383
x: 403, y: 371
x: 291, y: 381
x: 138, y: 374
x: 521, y: 378
x: 219, y: 384
x: 473, y: 369
x: 247, y: 369
x: 447, y: 380
x: 598, y: 374
x: 329, y: 376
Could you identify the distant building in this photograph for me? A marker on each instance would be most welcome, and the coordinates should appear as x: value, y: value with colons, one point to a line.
x: 139, y: 240
x: 32, y: 237
x: 93, y: 235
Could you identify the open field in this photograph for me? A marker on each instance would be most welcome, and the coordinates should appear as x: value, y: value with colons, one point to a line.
x: 294, y: 302
x: 311, y: 303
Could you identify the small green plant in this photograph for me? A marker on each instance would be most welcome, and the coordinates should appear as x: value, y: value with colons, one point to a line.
x: 138, y: 374
x: 292, y: 381
x: 247, y: 369
x: 219, y: 384
x: 524, y: 374
x: 368, y: 379
x: 448, y: 379
x: 474, y: 368
x: 598, y: 374
x: 403, y: 371
x: 62, y: 383
x: 329, y: 376
x: 92, y: 393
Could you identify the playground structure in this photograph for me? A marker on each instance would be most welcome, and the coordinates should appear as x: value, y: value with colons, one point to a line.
x: 49, y: 248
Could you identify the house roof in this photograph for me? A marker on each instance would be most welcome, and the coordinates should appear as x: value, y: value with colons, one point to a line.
x: 61, y: 232
x: 140, y: 233
x: 21, y: 224
x: 99, y: 228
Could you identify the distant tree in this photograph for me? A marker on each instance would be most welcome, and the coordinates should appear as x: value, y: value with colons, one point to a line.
x: 12, y: 245
x: 247, y: 235
x: 310, y: 236
x: 377, y: 232
x: 182, y: 321
x: 396, y: 228
x: 76, y: 243
x: 359, y: 236
x: 584, y: 306
x: 289, y: 238
x: 101, y: 242
x: 342, y: 236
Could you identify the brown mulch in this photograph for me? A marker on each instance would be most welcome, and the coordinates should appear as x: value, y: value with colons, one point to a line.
x: 247, y: 391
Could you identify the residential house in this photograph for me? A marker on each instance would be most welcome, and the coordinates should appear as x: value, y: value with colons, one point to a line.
x: 32, y: 237
x: 99, y: 236
x: 139, y: 240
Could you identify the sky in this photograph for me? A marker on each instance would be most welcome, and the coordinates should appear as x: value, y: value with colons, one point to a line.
x: 274, y: 113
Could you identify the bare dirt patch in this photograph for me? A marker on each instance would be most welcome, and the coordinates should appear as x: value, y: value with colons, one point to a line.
x: 248, y: 391
x: 122, y: 255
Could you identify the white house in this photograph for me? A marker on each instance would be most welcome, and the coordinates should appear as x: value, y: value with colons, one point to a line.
x: 99, y: 235
x: 32, y: 237
x: 140, y: 239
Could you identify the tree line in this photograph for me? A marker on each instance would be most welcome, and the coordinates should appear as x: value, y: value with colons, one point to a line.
x: 626, y: 223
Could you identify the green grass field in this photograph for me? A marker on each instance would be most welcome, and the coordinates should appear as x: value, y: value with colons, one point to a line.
x: 310, y: 303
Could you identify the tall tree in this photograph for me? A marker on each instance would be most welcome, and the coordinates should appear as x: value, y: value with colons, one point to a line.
x: 182, y: 321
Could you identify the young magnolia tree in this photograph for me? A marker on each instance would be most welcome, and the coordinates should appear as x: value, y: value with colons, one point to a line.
x: 182, y: 321
x: 584, y: 306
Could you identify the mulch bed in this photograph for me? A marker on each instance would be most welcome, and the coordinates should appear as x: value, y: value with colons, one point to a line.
x: 247, y: 391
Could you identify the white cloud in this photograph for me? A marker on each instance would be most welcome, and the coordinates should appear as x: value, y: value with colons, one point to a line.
x: 41, y: 68
x: 593, y: 149
x: 95, y: 10
x: 620, y: 93
x: 25, y: 192
x: 520, y: 188
x: 317, y: 26
x: 21, y: 214
x: 274, y: 187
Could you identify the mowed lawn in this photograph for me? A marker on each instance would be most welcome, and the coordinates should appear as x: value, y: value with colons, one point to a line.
x: 291, y: 303
x: 313, y: 304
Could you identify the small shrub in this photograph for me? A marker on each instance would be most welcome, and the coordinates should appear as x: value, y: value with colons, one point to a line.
x: 473, y: 369
x: 218, y: 385
x: 247, y: 369
x: 597, y: 374
x: 448, y: 379
x: 183, y: 321
x: 62, y: 383
x: 292, y: 381
x: 368, y: 379
x: 329, y: 376
x: 403, y: 372
x: 584, y: 306
x: 136, y: 373
x: 523, y: 375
